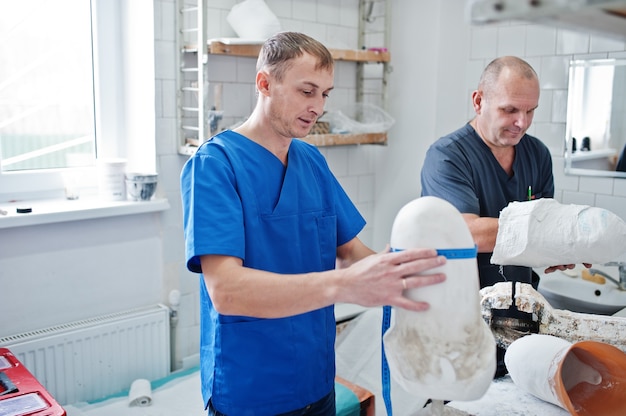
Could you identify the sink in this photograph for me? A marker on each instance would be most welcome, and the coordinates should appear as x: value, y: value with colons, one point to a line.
x: 568, y: 290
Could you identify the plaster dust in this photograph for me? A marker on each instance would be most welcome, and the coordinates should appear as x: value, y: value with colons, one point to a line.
x: 504, y: 398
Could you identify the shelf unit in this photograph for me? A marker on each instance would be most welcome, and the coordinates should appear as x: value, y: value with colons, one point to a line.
x: 218, y: 47
x: 194, y: 115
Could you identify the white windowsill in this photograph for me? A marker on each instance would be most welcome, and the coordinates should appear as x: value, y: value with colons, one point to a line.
x: 61, y: 210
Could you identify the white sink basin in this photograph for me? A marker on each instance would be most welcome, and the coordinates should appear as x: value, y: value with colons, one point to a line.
x: 568, y: 290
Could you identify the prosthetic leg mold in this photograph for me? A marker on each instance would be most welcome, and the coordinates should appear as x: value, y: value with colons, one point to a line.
x: 448, y: 351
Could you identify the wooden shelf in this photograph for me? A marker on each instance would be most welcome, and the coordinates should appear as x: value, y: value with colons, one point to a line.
x: 217, y: 47
x: 346, y: 139
x: 319, y: 140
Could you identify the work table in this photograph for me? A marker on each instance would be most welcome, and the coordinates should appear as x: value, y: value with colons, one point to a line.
x: 505, y: 398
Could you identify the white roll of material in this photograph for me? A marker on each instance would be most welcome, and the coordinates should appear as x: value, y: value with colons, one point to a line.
x: 140, y: 393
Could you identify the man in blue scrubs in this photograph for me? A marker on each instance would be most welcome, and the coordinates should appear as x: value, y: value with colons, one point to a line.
x: 275, y: 238
x: 491, y: 161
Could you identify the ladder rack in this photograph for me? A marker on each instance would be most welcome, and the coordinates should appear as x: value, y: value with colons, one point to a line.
x: 192, y: 76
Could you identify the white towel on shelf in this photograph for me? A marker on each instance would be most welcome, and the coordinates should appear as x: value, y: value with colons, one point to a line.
x: 544, y: 232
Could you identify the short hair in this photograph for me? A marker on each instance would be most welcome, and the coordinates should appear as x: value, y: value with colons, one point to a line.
x: 279, y: 50
x: 491, y: 73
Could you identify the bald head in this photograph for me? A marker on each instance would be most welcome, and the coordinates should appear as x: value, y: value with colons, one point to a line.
x: 511, y: 64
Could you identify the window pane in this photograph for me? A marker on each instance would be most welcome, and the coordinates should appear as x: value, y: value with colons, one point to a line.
x: 46, y: 85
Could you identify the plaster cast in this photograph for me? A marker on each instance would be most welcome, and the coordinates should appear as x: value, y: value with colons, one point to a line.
x: 544, y: 233
x: 448, y: 351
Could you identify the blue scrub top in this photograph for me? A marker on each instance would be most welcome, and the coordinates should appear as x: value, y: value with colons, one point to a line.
x: 461, y: 169
x: 240, y: 200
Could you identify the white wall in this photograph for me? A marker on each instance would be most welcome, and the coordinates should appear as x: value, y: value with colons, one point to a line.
x: 56, y: 273
x: 86, y: 268
x: 413, y: 102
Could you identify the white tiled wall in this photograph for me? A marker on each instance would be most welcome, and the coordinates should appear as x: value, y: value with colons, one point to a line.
x: 431, y: 38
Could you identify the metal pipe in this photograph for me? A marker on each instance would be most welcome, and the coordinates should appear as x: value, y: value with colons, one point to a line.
x: 174, y: 300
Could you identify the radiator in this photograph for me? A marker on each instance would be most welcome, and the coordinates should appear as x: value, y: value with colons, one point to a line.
x: 94, y: 358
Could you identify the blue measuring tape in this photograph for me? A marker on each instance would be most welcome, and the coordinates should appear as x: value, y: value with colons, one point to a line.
x: 451, y: 254
x: 385, y: 366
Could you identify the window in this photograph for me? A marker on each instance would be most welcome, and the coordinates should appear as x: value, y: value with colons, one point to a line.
x: 46, y: 110
x: 76, y: 83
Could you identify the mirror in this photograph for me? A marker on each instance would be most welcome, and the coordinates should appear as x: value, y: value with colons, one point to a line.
x: 596, y: 118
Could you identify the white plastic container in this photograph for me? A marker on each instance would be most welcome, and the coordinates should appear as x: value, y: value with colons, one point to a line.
x: 111, y: 180
x: 141, y: 186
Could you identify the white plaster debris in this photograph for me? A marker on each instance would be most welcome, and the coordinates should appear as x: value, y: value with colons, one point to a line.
x: 570, y: 326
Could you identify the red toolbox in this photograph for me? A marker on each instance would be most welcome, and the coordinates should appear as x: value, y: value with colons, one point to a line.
x: 20, y: 392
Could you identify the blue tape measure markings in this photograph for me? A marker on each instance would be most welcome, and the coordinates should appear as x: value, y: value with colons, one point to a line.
x: 386, y: 378
x: 452, y: 253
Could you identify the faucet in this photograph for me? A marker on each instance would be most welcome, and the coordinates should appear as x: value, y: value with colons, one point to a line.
x: 621, y: 283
